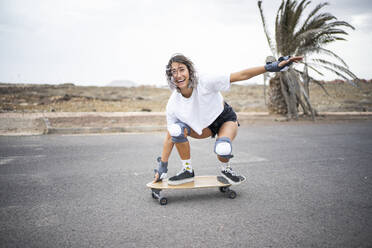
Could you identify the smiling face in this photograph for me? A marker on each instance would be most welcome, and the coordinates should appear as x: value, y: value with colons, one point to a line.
x: 180, y: 75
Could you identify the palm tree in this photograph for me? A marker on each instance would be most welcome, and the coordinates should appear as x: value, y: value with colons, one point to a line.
x: 289, y: 90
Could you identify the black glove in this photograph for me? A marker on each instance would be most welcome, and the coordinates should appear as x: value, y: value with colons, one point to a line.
x: 274, y: 66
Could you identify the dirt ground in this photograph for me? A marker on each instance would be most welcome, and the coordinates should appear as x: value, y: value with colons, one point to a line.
x: 26, y: 98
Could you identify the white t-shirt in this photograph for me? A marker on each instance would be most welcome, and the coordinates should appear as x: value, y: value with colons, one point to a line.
x: 202, y: 107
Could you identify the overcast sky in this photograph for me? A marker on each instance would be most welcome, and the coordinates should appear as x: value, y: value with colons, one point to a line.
x: 94, y: 42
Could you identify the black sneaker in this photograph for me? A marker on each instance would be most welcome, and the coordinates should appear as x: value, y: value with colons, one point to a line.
x: 182, y: 177
x: 232, y: 176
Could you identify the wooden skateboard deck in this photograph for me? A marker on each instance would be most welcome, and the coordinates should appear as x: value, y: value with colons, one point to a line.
x: 199, y: 182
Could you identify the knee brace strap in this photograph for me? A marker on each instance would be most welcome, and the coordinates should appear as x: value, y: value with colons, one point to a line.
x: 223, y: 147
x: 177, y: 130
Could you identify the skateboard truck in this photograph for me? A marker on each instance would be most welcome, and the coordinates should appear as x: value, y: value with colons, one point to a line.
x: 231, y: 193
x: 155, y: 193
x: 226, y: 189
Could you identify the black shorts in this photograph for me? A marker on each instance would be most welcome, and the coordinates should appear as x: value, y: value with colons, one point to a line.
x: 227, y: 114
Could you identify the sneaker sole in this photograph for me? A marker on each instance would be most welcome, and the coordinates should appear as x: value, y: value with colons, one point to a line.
x: 173, y: 183
x: 231, y: 181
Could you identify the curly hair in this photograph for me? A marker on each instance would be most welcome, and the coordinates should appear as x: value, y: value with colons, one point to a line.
x: 180, y: 58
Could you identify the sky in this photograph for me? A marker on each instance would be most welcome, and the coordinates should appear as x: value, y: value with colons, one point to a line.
x: 95, y: 42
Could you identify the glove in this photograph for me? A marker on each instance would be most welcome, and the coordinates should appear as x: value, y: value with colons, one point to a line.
x: 274, y: 66
x: 161, y: 171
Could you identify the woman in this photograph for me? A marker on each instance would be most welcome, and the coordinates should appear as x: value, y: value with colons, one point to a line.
x: 197, y: 109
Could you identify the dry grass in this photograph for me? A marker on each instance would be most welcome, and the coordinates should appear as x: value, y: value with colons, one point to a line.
x: 70, y: 98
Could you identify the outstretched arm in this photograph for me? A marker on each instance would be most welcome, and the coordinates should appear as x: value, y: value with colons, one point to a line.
x: 246, y: 74
x: 255, y: 71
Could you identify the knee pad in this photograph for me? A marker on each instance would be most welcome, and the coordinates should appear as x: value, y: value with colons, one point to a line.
x: 177, y: 130
x: 223, y: 147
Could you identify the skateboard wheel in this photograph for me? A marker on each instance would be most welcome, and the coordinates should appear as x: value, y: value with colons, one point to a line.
x: 153, y: 195
x: 232, y: 194
x: 223, y: 189
x: 163, y: 201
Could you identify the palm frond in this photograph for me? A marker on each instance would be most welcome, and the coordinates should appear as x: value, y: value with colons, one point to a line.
x: 319, y: 20
x: 340, y: 75
x: 306, y: 37
x: 267, y: 34
x: 313, y: 80
x: 317, y: 23
x: 324, y: 32
x: 336, y: 66
x: 333, y: 31
x: 298, y: 12
x: 340, y: 23
x: 321, y: 50
x: 316, y: 41
x: 313, y: 12
x: 309, y: 65
x: 307, y: 100
x: 278, y: 29
x: 321, y: 86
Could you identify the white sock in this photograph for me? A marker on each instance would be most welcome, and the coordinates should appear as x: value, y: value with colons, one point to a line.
x: 224, y: 166
x: 186, y: 164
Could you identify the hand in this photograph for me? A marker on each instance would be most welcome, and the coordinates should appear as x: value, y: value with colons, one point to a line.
x: 161, y: 172
x: 156, y: 177
x: 282, y: 64
x: 290, y: 60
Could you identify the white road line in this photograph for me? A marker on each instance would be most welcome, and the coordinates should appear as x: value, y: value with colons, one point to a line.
x: 33, y: 147
x: 25, y: 156
x: 4, y: 161
x: 248, y: 158
x: 8, y: 159
x: 24, y: 145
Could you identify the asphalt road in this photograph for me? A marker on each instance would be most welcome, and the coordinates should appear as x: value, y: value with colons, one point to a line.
x: 308, y: 185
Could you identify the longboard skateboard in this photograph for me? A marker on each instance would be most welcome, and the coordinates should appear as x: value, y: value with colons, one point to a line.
x: 199, y: 182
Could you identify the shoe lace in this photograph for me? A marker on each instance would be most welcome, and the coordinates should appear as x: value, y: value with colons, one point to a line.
x: 182, y: 171
x: 232, y: 172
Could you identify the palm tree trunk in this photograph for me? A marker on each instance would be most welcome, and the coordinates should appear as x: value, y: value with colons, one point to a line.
x: 265, y: 77
x: 277, y: 103
x: 284, y: 88
x: 286, y: 93
x: 306, y: 78
x: 303, y: 94
x: 292, y: 103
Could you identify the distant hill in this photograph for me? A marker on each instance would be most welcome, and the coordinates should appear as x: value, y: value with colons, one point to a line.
x: 122, y: 83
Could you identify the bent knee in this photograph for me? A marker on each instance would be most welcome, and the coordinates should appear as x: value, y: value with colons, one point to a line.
x: 223, y: 147
x: 177, y: 132
x: 174, y: 130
